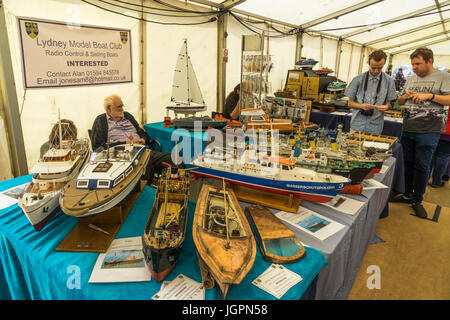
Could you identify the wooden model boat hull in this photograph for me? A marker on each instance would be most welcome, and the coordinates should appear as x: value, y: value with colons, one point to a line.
x: 276, y: 242
x: 87, y: 202
x: 227, y: 263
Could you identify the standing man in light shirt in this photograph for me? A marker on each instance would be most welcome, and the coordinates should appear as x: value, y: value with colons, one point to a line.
x: 426, y: 97
x: 370, y: 94
x: 119, y: 126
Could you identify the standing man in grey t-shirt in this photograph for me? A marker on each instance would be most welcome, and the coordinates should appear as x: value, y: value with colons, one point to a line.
x: 426, y: 97
x: 370, y: 94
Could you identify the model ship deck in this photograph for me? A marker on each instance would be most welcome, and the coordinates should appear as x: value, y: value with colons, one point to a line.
x: 276, y: 242
x: 90, y: 194
x: 165, y: 231
x: 222, y: 236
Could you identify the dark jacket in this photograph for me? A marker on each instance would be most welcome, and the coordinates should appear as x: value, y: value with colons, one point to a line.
x: 99, y: 133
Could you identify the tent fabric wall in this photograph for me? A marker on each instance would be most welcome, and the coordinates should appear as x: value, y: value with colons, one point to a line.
x: 39, y: 107
x: 82, y: 104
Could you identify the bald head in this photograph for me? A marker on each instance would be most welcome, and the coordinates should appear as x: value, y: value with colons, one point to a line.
x: 114, y: 106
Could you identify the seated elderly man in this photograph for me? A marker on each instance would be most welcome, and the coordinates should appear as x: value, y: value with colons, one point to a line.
x: 118, y: 126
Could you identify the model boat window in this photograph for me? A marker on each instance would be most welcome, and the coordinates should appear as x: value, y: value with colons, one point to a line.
x: 221, y: 215
x: 118, y: 154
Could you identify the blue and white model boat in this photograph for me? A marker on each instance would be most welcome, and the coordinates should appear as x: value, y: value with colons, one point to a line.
x: 270, y: 174
x: 105, y: 180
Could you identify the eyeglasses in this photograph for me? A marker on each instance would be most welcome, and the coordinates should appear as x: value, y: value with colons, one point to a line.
x: 118, y: 107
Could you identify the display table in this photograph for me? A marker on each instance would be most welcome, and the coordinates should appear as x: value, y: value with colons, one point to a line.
x: 345, y: 249
x: 32, y: 269
x: 392, y: 127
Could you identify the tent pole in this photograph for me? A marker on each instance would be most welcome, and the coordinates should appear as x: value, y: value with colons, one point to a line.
x: 361, y: 58
x: 10, y: 104
x: 221, y: 65
x: 142, y: 30
x: 338, y: 58
x: 350, y: 63
x: 298, y: 46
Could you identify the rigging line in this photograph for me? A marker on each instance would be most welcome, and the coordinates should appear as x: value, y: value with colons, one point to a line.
x: 157, y: 22
x: 174, y: 7
x: 381, y: 23
x: 23, y: 102
x: 246, y: 26
x: 169, y: 10
x: 157, y: 14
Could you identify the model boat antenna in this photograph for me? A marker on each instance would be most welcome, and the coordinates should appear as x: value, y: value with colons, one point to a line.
x: 60, y: 129
x: 227, y: 246
x: 107, y: 150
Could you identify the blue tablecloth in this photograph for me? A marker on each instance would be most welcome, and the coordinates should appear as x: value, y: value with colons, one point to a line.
x: 32, y: 269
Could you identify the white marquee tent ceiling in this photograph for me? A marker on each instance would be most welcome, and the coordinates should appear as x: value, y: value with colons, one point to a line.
x: 430, y: 21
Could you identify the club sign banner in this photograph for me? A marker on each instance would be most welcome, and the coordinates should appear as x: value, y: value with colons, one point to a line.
x: 55, y: 54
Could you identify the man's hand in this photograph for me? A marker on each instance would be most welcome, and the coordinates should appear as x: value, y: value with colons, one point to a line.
x: 382, y: 108
x: 366, y: 106
x: 420, y: 97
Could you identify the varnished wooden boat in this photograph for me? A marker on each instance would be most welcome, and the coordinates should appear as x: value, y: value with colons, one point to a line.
x: 224, y: 241
x: 276, y: 242
x: 104, y: 181
x: 165, y: 231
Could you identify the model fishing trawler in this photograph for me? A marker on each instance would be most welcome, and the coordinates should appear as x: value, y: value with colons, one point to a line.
x: 225, y: 245
x: 274, y: 174
x: 276, y: 242
x: 187, y: 96
x: 165, y: 231
x: 60, y: 164
x: 107, y: 179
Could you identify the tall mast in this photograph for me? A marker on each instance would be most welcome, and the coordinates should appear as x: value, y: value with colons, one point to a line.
x: 187, y: 74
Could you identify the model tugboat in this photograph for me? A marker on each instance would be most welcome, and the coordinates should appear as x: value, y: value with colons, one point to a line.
x: 225, y: 245
x: 58, y: 165
x: 276, y: 242
x: 108, y: 178
x: 165, y: 231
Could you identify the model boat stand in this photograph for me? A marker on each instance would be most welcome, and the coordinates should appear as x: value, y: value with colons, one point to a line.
x: 287, y: 203
x: 85, y: 238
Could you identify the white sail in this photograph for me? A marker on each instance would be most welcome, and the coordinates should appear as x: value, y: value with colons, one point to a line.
x: 194, y: 89
x: 185, y: 85
x: 180, y: 90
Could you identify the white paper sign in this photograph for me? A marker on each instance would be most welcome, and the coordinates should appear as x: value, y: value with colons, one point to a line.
x: 123, y: 262
x: 344, y: 204
x: 11, y: 196
x: 56, y: 54
x: 180, y: 288
x: 311, y: 222
x: 372, y: 184
x: 277, y: 280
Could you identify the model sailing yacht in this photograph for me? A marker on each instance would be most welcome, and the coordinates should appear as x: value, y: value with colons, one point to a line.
x: 187, y: 96
x: 60, y: 164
